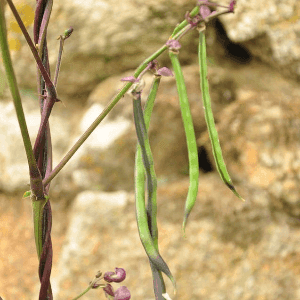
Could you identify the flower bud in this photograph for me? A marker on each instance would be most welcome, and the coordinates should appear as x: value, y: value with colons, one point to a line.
x: 173, y: 45
x: 164, y: 71
x: 231, y: 5
x: 204, y: 11
x: 98, y: 275
x: 68, y: 32
x: 108, y: 289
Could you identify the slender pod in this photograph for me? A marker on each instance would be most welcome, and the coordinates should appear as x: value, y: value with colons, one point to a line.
x: 152, y: 195
x: 158, y: 281
x: 209, y: 118
x: 190, y: 137
x: 148, y: 163
x: 144, y: 160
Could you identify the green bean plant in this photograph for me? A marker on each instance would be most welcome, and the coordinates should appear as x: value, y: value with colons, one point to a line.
x: 39, y: 155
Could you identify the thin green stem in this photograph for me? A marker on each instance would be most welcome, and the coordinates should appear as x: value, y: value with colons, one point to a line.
x: 61, y: 46
x: 83, y: 293
x: 13, y: 85
x: 48, y: 82
x: 179, y: 27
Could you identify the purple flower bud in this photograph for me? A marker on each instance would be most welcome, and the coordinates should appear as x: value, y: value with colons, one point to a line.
x: 153, y: 64
x: 109, y: 290
x: 173, y: 44
x: 122, y: 293
x: 231, y: 5
x: 204, y: 11
x: 96, y: 285
x: 164, y: 71
x: 118, y: 276
x: 130, y: 78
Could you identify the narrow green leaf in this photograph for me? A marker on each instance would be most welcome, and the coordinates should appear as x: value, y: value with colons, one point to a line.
x: 26, y: 194
x: 38, y: 208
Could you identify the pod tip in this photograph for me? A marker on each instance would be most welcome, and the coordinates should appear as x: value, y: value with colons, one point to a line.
x: 183, y: 228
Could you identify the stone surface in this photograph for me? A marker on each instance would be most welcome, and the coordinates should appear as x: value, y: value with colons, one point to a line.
x: 233, y: 250
x: 270, y: 30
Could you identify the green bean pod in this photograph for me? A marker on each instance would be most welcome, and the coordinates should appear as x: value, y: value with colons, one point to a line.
x: 190, y: 137
x: 143, y: 162
x: 152, y: 195
x: 209, y: 118
x: 158, y: 281
x: 147, y: 160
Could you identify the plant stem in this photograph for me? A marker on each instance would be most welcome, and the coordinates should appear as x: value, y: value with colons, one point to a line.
x: 178, y: 28
x: 61, y: 46
x: 84, y: 292
x: 48, y: 82
x: 13, y: 85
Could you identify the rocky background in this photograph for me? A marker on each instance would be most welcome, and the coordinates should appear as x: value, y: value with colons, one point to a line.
x: 233, y: 250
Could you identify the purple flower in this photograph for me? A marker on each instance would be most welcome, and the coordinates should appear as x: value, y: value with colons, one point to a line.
x: 164, y: 71
x: 204, y: 11
x: 173, y: 44
x: 118, y: 276
x: 109, y: 290
x: 122, y: 293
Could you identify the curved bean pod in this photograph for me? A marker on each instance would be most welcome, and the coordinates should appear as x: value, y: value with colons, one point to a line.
x: 144, y: 160
x: 190, y: 137
x: 152, y: 203
x: 209, y: 118
x: 158, y: 281
x: 148, y: 165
